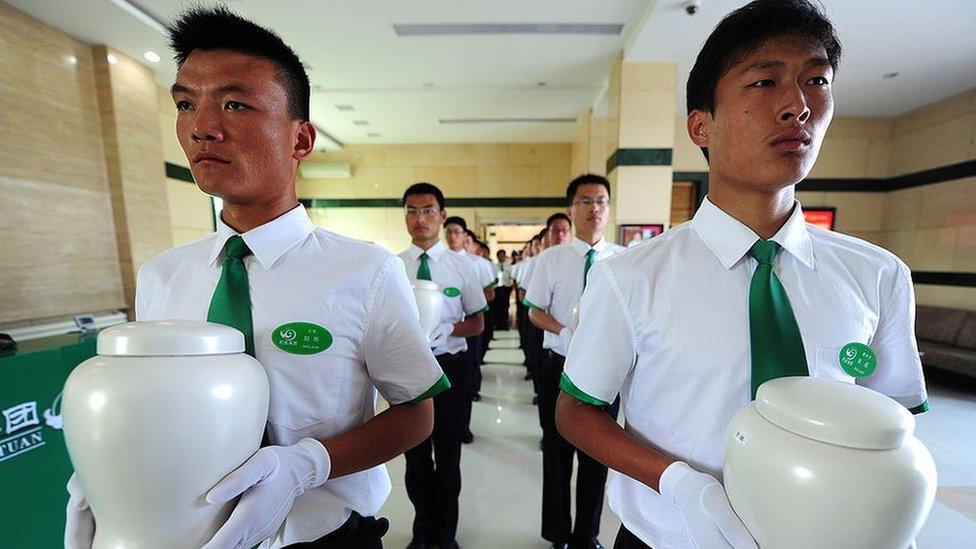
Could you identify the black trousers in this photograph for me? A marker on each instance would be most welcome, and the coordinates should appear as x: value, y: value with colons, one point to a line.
x: 358, y: 532
x: 474, y: 376
x: 500, y: 306
x: 534, y: 352
x: 557, y: 469
x: 627, y: 540
x: 433, y: 476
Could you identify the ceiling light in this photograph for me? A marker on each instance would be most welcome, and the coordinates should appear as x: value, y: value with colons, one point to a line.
x: 344, y: 107
x: 540, y: 84
x: 504, y: 120
x: 152, y: 56
x: 890, y: 75
x: 373, y: 134
x: 111, y: 59
x: 428, y: 84
x: 361, y: 122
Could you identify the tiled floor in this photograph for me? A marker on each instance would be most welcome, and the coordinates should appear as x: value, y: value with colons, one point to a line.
x: 502, y: 470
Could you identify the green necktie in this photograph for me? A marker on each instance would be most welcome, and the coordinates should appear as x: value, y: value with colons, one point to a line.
x: 590, y: 260
x: 423, y: 273
x: 231, y: 301
x: 777, y: 348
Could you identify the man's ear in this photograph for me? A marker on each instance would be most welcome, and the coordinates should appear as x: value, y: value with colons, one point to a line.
x: 304, y: 141
x: 698, y: 122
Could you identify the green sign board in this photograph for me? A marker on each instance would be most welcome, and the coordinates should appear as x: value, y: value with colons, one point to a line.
x: 34, y: 464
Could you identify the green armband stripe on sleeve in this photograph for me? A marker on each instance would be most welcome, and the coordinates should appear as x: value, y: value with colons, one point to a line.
x: 484, y: 309
x: 437, y: 388
x: 923, y: 407
x: 528, y: 303
x: 491, y: 284
x: 568, y: 387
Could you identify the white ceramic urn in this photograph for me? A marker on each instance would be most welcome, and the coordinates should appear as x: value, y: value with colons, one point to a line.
x: 164, y: 412
x: 815, y: 463
x: 429, y: 302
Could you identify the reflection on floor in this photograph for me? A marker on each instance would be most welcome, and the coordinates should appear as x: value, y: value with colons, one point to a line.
x: 502, y: 470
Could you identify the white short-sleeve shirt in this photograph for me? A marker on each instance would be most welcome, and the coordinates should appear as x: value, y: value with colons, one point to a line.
x: 557, y: 283
x: 458, y: 279
x: 356, y: 291
x: 666, y: 325
x: 525, y: 275
x: 485, y: 268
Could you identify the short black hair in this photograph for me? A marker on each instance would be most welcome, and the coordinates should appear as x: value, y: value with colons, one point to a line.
x: 585, y: 179
x: 456, y: 220
x: 746, y: 29
x: 556, y: 217
x: 470, y: 233
x: 424, y: 188
x: 484, y: 246
x: 218, y: 28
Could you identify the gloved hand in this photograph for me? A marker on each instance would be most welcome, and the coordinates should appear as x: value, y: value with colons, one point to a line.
x: 270, y: 481
x: 566, y: 334
x: 440, y: 334
x: 79, y: 527
x: 702, y: 502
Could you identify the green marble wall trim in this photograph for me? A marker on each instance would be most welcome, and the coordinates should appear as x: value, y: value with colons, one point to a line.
x: 175, y: 171
x: 639, y: 157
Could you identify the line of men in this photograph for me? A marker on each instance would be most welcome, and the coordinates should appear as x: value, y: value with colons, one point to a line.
x: 681, y: 329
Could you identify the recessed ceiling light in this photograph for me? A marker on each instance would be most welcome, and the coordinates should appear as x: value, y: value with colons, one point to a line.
x: 344, y: 107
x: 152, y: 56
x: 361, y: 122
x: 540, y: 84
x: 428, y: 84
x: 111, y: 59
x: 890, y: 75
x: 373, y: 134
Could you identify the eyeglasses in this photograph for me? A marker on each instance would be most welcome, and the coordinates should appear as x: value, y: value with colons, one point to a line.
x: 425, y: 212
x: 587, y: 202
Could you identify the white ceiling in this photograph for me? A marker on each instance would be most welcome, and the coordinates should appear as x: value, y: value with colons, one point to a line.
x: 404, y: 86
x: 356, y: 58
x: 931, y: 44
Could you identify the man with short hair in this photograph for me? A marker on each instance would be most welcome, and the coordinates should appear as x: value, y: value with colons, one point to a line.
x: 503, y: 290
x: 690, y: 324
x: 557, y: 282
x: 433, y: 475
x: 242, y: 97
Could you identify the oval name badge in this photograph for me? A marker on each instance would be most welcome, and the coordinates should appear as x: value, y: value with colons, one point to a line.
x: 301, y: 338
x: 858, y: 360
x: 451, y: 291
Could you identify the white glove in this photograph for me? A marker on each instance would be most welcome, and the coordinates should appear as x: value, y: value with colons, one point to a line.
x: 705, y: 508
x: 440, y: 334
x: 79, y: 526
x: 270, y: 481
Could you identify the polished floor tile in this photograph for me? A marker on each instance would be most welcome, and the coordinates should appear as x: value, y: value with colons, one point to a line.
x: 502, y: 470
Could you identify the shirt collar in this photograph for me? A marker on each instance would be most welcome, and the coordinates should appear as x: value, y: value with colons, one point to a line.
x: 730, y: 240
x: 270, y: 241
x: 433, y: 252
x: 582, y: 247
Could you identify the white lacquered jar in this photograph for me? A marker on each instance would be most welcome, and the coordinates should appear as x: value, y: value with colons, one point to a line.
x: 429, y: 302
x: 164, y: 412
x: 815, y: 463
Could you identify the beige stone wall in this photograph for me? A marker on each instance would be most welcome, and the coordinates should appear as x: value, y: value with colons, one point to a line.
x: 57, y: 240
x: 476, y: 170
x: 128, y: 104
x: 933, y: 227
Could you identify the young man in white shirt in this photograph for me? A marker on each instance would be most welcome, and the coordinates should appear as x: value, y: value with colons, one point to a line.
x: 680, y: 326
x: 503, y: 290
x: 242, y: 98
x: 456, y: 237
x: 558, y: 279
x: 433, y: 475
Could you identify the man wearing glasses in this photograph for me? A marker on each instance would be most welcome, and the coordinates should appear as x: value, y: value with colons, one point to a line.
x: 554, y: 291
x: 434, y: 481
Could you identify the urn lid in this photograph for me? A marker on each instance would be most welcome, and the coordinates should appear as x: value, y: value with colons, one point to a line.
x: 169, y: 338
x: 835, y: 412
x: 425, y: 285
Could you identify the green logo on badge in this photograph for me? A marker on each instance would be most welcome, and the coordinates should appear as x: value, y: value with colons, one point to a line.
x: 858, y: 360
x: 301, y: 338
x: 452, y: 292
